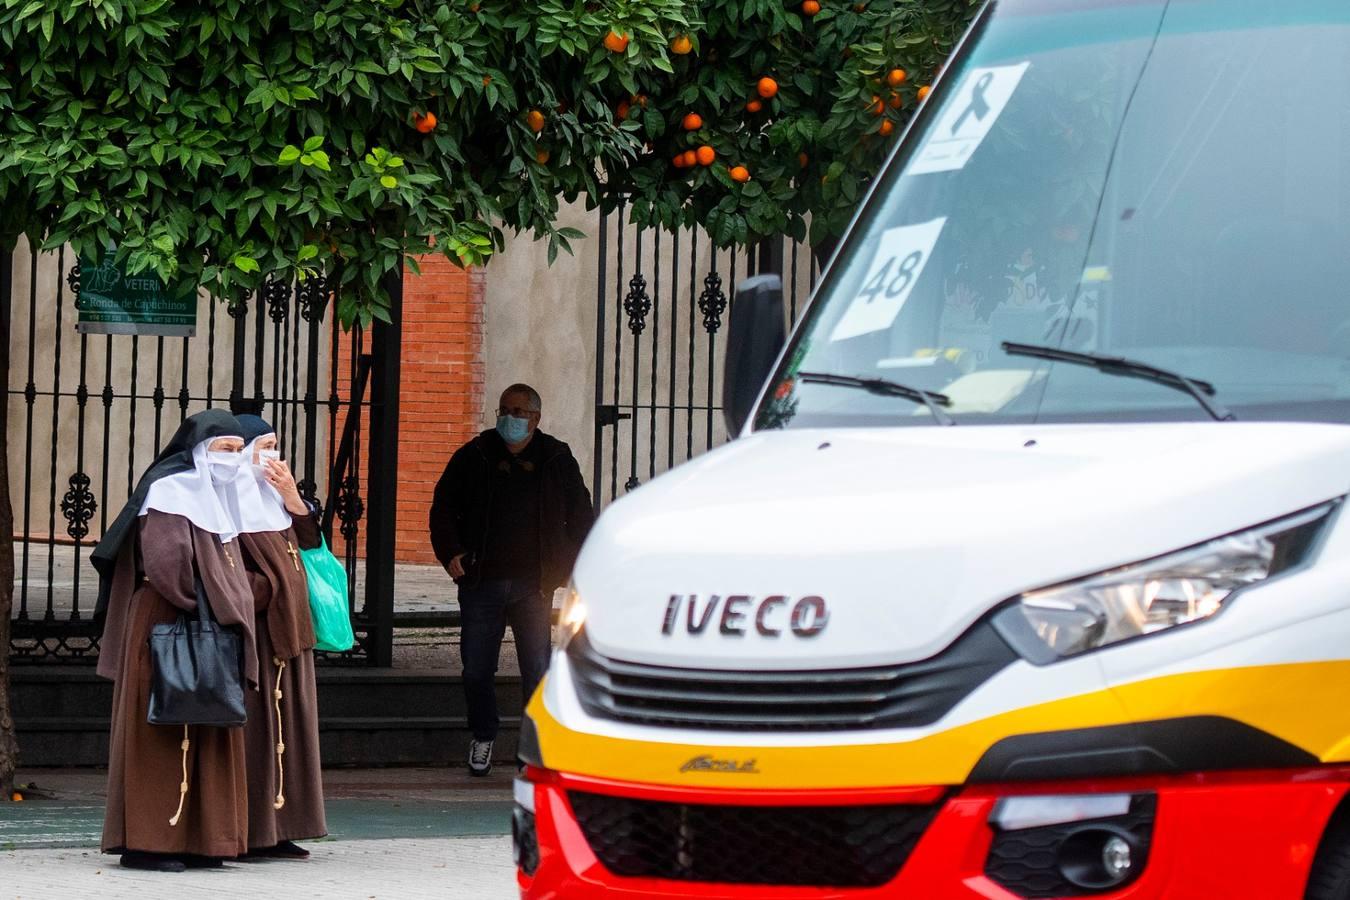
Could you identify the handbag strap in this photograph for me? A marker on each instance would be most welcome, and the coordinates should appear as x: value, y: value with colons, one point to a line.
x: 204, y: 615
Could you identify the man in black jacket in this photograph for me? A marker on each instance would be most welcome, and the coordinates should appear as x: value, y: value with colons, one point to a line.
x: 507, y: 521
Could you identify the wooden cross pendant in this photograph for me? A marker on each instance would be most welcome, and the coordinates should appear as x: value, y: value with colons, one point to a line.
x: 295, y: 557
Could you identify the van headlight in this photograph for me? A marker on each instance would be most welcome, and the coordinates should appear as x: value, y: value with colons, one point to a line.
x: 571, y: 617
x: 1152, y: 596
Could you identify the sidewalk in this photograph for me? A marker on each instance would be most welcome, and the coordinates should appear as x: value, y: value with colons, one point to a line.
x: 393, y: 833
x: 416, y: 869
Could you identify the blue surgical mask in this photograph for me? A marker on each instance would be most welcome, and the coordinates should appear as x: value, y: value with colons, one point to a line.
x: 513, y: 430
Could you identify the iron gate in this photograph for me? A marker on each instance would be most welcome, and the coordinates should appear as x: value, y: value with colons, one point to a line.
x: 658, y: 373
x: 87, y: 413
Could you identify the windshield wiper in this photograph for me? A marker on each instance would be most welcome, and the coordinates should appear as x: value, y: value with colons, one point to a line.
x: 885, y: 388
x: 1202, y: 391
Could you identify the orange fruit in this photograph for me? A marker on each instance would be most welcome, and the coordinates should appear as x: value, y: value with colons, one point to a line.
x: 16, y: 797
x: 640, y: 100
x: 474, y: 7
x: 895, y: 77
x: 425, y: 122
x: 887, y: 126
x: 859, y: 7
x: 803, y: 159
x: 739, y: 174
x: 877, y: 107
x: 678, y: 161
x: 681, y: 45
x: 766, y: 87
x: 705, y: 155
x: 897, y: 101
x: 688, y: 159
x: 754, y: 106
x: 692, y: 122
x: 535, y: 119
x: 616, y: 42
x: 622, y: 110
x: 810, y: 7
x: 487, y: 79
x: 541, y: 156
x: 923, y: 91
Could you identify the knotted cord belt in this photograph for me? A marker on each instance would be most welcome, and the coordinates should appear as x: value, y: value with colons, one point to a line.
x: 281, y: 740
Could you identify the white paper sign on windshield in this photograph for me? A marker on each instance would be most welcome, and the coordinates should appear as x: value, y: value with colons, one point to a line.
x: 967, y: 119
x: 895, y: 269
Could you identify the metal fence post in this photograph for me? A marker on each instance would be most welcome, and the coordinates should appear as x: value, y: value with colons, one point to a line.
x: 382, y: 485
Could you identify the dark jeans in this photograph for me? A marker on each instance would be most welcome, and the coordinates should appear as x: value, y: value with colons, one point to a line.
x: 485, y: 610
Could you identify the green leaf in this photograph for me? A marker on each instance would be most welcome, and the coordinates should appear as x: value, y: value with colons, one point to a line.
x: 246, y: 264
x: 289, y: 154
x: 389, y: 181
x: 313, y: 143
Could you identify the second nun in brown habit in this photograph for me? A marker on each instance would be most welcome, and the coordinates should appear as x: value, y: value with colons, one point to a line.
x: 281, y: 737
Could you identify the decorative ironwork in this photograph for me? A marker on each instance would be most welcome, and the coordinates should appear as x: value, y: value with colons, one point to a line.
x: 631, y: 483
x: 73, y: 279
x: 637, y: 304
x: 309, y: 492
x: 712, y: 302
x: 277, y: 296
x: 79, y: 506
x: 237, y: 306
x: 350, y: 507
x: 93, y: 397
x: 313, y: 294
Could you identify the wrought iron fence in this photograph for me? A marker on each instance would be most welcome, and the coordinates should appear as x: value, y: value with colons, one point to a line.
x: 87, y: 413
x: 662, y: 298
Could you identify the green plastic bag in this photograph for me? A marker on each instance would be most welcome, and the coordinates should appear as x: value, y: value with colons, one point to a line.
x: 327, y: 579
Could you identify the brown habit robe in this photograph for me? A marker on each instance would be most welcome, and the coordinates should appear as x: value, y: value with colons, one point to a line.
x: 284, y: 632
x: 152, y: 583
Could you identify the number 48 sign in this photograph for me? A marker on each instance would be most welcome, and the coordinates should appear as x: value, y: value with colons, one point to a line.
x: 895, y: 269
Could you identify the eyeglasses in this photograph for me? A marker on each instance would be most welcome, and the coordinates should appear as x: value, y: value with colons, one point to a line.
x: 518, y: 412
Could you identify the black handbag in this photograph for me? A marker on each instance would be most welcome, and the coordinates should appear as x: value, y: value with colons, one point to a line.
x: 196, y: 670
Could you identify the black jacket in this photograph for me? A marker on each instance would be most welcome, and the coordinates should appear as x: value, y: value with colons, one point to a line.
x: 459, y: 510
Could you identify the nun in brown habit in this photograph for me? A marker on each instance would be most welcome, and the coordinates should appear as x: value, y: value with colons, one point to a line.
x: 177, y: 796
x: 281, y: 736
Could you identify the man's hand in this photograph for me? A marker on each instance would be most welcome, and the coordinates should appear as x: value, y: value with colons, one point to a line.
x: 456, y: 567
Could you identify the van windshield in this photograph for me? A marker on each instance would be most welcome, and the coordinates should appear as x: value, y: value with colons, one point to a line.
x: 1163, y: 182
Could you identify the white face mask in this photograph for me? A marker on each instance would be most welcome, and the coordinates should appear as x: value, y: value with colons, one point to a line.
x: 263, y: 456
x: 224, y: 464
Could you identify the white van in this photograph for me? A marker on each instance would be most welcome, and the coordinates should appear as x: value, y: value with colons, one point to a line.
x: 1026, y: 576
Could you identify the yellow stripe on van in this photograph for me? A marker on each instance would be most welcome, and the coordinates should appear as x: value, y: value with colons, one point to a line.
x: 1306, y: 704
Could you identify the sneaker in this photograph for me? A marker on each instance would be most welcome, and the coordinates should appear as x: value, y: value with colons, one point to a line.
x: 480, y: 757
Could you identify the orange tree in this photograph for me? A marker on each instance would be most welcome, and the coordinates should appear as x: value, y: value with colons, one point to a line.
x: 217, y: 143
x: 794, y: 107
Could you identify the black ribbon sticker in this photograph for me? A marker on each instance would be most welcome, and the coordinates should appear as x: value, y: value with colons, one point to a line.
x: 979, y: 107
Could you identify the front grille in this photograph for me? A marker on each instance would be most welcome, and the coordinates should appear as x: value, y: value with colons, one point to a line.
x: 826, y: 846
x: 905, y: 695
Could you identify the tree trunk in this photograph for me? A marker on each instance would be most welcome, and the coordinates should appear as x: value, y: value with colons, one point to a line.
x: 822, y: 249
x: 9, y: 748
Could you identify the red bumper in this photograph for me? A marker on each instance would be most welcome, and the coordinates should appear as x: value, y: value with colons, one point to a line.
x: 1231, y: 835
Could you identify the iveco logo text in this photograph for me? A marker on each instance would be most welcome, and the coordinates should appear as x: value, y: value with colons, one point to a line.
x: 731, y: 766
x: 736, y: 614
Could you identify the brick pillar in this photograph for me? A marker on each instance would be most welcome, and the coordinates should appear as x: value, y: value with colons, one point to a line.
x: 441, y: 390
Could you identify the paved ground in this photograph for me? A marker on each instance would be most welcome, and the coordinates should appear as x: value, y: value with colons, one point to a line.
x: 392, y: 833
x: 477, y: 868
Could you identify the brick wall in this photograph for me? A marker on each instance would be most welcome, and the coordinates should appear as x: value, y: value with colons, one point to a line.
x: 440, y: 391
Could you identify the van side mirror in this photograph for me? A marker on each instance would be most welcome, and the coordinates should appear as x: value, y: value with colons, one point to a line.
x: 755, y: 336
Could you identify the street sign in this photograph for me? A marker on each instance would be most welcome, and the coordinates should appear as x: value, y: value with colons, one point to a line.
x: 113, y: 302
